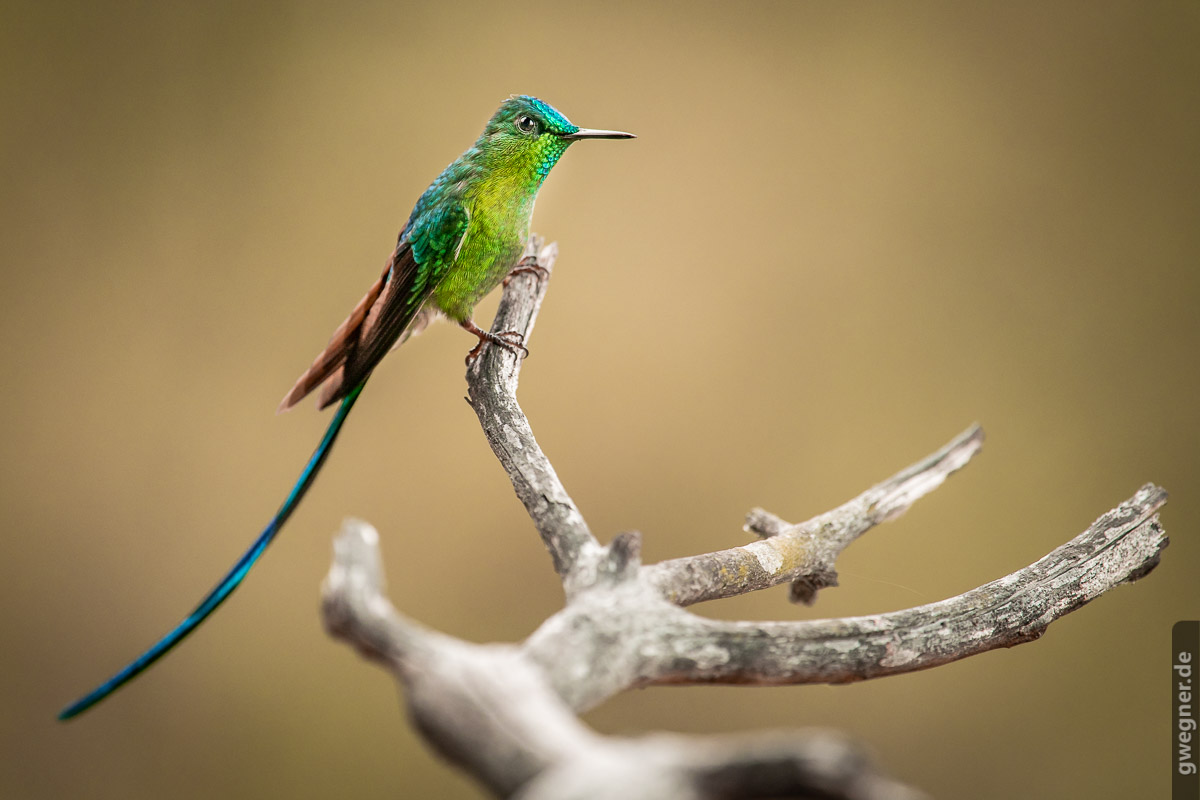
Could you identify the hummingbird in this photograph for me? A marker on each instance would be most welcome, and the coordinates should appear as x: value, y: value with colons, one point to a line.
x: 463, y: 237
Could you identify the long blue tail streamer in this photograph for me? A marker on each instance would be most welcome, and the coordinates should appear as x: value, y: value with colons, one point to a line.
x: 235, y: 576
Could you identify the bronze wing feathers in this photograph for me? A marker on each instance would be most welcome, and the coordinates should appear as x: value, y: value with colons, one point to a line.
x: 427, y: 249
x: 363, y: 338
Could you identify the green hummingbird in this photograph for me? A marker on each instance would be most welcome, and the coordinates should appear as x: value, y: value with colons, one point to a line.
x: 465, y: 234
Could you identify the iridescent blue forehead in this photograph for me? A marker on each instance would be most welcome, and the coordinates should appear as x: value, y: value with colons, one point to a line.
x: 555, y: 121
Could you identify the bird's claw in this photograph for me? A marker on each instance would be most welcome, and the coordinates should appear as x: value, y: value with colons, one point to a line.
x: 512, y: 341
x: 528, y: 264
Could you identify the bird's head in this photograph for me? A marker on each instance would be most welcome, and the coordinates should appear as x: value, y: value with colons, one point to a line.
x: 528, y: 136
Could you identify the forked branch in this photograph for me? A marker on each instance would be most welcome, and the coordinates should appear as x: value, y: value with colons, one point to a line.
x: 507, y: 713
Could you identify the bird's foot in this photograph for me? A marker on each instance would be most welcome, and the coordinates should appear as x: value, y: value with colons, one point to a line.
x: 528, y: 264
x: 512, y: 341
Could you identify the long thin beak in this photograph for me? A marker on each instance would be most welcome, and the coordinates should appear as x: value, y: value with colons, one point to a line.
x: 589, y: 133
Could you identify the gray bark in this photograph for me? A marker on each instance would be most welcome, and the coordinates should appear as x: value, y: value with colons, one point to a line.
x: 507, y: 714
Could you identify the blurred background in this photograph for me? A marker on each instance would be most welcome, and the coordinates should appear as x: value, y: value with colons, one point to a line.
x: 845, y: 233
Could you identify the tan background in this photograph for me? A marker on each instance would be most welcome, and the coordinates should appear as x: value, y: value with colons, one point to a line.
x: 845, y: 233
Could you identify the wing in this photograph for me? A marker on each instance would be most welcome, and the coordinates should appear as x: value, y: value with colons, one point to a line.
x: 426, y: 250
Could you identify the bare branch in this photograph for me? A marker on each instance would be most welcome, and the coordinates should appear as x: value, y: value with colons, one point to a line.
x: 483, y: 707
x: 806, y: 552
x: 507, y: 714
x: 1121, y: 546
x: 492, y: 393
x: 773, y: 764
x: 492, y: 712
x: 354, y: 606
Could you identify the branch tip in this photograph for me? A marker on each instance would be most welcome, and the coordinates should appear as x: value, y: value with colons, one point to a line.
x: 764, y: 524
x: 623, y: 556
x: 803, y: 591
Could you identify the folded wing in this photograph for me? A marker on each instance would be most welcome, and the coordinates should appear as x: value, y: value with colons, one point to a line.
x: 419, y: 262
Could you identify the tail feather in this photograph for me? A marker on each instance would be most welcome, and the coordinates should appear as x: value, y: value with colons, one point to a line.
x: 231, y: 580
x: 341, y: 344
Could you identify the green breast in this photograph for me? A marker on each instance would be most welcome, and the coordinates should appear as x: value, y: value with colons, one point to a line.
x: 500, y: 214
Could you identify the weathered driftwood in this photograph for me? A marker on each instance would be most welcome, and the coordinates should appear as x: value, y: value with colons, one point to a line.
x: 507, y: 713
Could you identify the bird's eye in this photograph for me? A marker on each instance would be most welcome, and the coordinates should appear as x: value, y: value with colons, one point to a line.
x: 526, y: 124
